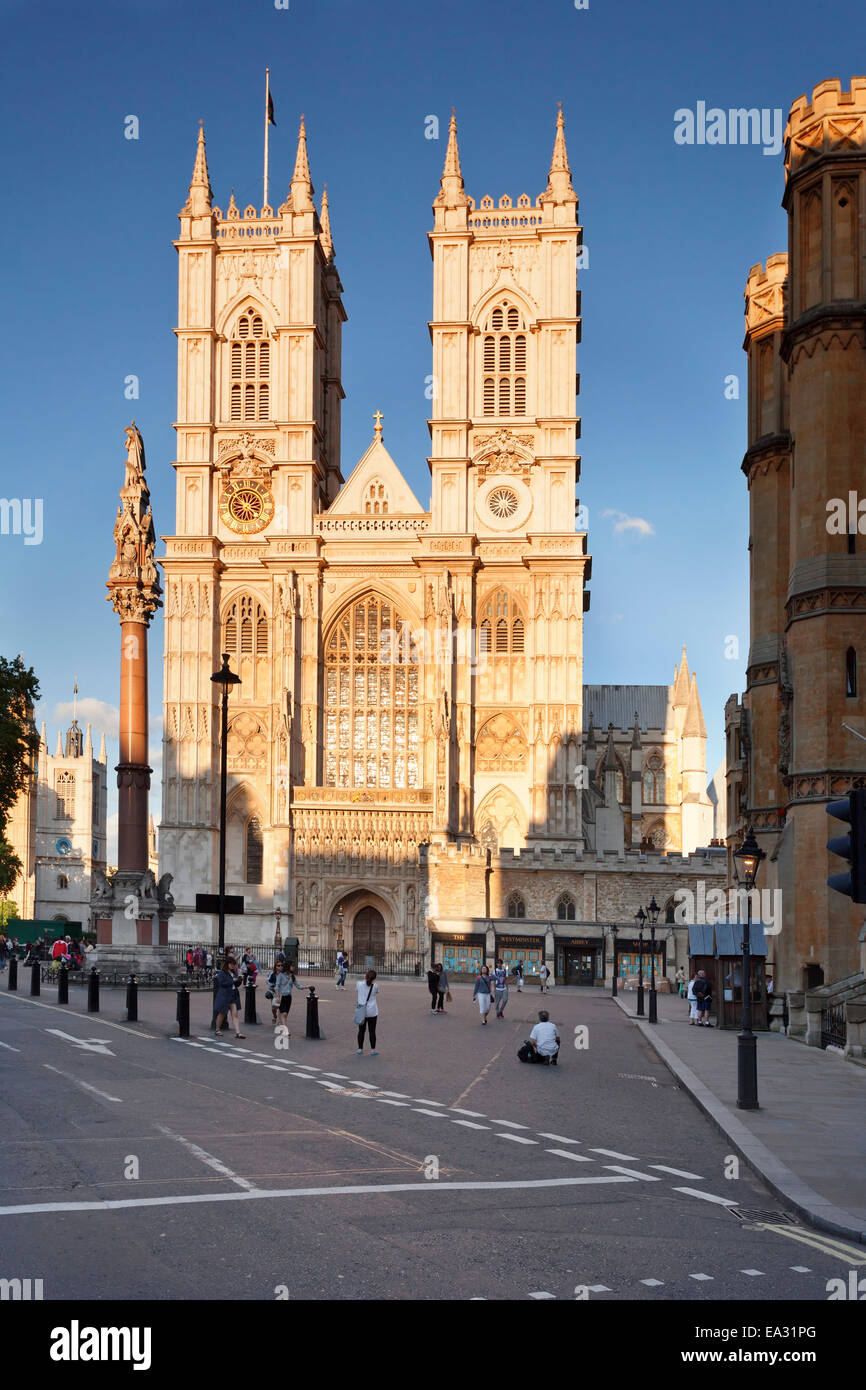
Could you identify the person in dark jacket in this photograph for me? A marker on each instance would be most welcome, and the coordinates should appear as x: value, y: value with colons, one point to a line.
x: 433, y: 984
x: 703, y: 992
x: 225, y: 1001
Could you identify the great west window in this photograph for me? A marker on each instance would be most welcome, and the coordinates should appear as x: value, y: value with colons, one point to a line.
x: 371, y: 699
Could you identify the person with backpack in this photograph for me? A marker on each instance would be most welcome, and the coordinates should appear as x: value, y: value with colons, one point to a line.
x: 500, y: 989
x: 483, y: 992
x: 340, y: 972
x: 518, y: 975
x: 544, y: 976
x: 543, y: 1043
x: 367, y: 1012
x: 703, y: 993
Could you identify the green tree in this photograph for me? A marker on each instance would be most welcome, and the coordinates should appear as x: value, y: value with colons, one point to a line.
x: 19, y: 743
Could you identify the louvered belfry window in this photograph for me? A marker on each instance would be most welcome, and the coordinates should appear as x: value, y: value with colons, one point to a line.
x: 245, y: 628
x: 503, y: 358
x: 371, y: 699
x: 501, y: 630
x: 250, y: 368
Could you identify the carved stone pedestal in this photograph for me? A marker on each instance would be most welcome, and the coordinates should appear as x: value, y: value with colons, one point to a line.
x: 132, y: 914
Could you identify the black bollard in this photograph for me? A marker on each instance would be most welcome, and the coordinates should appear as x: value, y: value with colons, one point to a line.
x: 250, y: 1002
x: 313, y: 1013
x: 93, y: 991
x: 132, y: 1000
x: 13, y: 973
x: 63, y: 985
x: 183, y: 1012
x: 35, y: 976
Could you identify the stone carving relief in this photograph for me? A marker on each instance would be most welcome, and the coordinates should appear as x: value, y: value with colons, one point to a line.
x: 501, y: 745
x: 247, y: 745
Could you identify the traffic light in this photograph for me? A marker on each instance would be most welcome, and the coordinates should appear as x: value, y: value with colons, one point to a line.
x: 851, y: 809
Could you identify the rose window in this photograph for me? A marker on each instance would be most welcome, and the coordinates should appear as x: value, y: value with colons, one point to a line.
x: 503, y: 502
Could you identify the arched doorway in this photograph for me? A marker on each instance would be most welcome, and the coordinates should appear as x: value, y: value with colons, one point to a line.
x: 368, y: 933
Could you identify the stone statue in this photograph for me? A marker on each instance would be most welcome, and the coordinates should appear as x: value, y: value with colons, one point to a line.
x: 135, y: 464
x: 101, y: 886
x: 164, y: 894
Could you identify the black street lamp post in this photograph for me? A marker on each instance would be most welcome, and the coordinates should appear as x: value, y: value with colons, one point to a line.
x: 747, y: 861
x: 613, y: 932
x: 653, y: 913
x: 640, y: 918
x: 225, y: 679
x: 278, y: 936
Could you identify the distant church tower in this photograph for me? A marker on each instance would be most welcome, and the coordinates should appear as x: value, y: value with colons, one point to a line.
x: 788, y: 753
x: 258, y: 449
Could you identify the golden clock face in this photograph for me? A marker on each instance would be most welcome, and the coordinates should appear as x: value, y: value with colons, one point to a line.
x: 246, y: 505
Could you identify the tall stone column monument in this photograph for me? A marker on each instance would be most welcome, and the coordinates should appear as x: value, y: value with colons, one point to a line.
x: 131, y: 908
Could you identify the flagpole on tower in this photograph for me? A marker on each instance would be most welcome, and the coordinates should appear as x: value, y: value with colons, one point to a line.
x: 267, y: 123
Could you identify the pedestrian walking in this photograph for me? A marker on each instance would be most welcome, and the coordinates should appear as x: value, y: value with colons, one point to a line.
x: 225, y: 1002
x: 500, y: 989
x: 367, y: 1011
x: 483, y: 992
x: 433, y: 985
x: 544, y: 976
x: 340, y: 971
x: 692, y: 1001
x: 542, y: 1045
x: 443, y: 992
x: 284, y: 987
x: 703, y: 992
x: 270, y: 993
x: 518, y: 975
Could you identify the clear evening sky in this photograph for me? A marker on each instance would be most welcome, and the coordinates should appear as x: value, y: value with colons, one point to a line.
x: 671, y: 230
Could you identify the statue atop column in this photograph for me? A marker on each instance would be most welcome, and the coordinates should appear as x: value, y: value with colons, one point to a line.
x: 133, y: 581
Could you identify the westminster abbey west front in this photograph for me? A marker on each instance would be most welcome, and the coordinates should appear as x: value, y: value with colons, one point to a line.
x: 412, y: 762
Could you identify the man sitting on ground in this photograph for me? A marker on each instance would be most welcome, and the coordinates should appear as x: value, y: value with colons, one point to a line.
x: 543, y: 1044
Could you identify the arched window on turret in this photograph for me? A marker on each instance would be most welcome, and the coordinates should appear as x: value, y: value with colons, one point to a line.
x: 254, y: 851
x: 249, y: 369
x: 516, y: 907
x: 503, y: 358
x: 851, y: 674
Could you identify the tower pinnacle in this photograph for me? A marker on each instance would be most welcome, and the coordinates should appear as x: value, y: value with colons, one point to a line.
x: 559, y: 178
x: 302, y: 188
x: 325, y: 220
x: 198, y: 204
x: 451, y: 191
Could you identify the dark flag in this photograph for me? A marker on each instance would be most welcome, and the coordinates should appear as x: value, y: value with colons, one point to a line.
x: 271, y: 120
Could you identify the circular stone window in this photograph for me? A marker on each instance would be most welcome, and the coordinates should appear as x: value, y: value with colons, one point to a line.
x: 503, y: 504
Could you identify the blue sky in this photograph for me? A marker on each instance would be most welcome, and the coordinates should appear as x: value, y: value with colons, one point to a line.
x: 90, y: 272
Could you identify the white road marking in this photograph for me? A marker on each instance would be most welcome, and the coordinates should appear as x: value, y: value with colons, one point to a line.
x: 566, y: 1153
x: 612, y: 1153
x: 801, y: 1269
x: 419, y: 1109
x: 517, y: 1138
x: 706, y: 1196
x: 208, y: 1159
x: 509, y: 1123
x: 385, y: 1100
x: 753, y: 1272
x: 558, y: 1138
x: 598, y: 1288
x: 365, y: 1085
x: 9, y: 1047
x: 87, y: 1044
x: 677, y: 1172
x: 476, y: 1114
x: 653, y: 1283
x: 272, y: 1066
x: 336, y: 1074
x: 398, y: 1095
x: 261, y: 1194
x: 541, y: 1294
x: 83, y: 1084
x: 423, y: 1101
x: 632, y: 1172
x: 469, y: 1124
x: 702, y: 1277
x: 64, y: 1010
x: 306, y: 1066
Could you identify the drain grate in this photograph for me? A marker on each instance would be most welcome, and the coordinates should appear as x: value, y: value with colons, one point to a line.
x: 750, y: 1214
x: 636, y: 1076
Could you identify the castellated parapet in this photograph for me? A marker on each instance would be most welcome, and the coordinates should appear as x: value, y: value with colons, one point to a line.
x: 765, y: 296
x: 832, y: 123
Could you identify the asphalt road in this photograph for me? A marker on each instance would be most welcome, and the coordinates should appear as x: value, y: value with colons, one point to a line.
x: 140, y: 1166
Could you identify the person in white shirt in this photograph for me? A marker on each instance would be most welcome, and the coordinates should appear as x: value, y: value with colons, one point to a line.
x: 367, y: 1011
x: 544, y: 974
x: 544, y: 1040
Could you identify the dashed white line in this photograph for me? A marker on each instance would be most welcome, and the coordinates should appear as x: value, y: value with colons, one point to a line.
x: 398, y: 1095
x: 476, y: 1114
x: 701, y: 1278
x: 469, y: 1124
x: 384, y: 1100
x: 423, y: 1101
x: 558, y: 1138
x: 419, y: 1110
x: 801, y: 1269
x: 208, y: 1159
x: 509, y: 1123
x: 653, y: 1283
x: 542, y: 1294
x: 566, y: 1153
x: 338, y: 1076
x: 612, y: 1153
x: 677, y: 1172
x: 753, y: 1272
x: 631, y: 1172
x: 9, y: 1047
x: 517, y: 1138
x: 706, y: 1196
x: 83, y: 1084
x: 598, y: 1288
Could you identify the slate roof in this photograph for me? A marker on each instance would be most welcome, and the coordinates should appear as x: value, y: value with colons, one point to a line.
x: 616, y: 704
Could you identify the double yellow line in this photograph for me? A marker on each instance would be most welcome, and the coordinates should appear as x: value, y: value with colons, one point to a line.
x: 839, y: 1249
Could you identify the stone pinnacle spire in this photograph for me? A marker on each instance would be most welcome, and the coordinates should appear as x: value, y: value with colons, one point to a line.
x: 610, y: 763
x: 325, y: 220
x: 302, y: 188
x: 198, y: 204
x: 559, y: 178
x: 681, y: 682
x: 693, y: 725
x: 451, y: 191
x: 635, y: 738
x: 590, y: 736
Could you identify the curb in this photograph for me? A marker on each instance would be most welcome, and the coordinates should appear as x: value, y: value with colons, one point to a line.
x: 815, y: 1209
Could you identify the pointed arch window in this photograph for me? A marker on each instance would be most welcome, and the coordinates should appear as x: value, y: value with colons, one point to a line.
x: 504, y: 362
x: 371, y: 698
x: 565, y: 908
x: 254, y: 851
x: 516, y: 906
x: 245, y: 628
x: 376, y: 499
x: 851, y: 674
x: 250, y: 367
x: 654, y: 781
x: 64, y: 786
x: 501, y: 630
